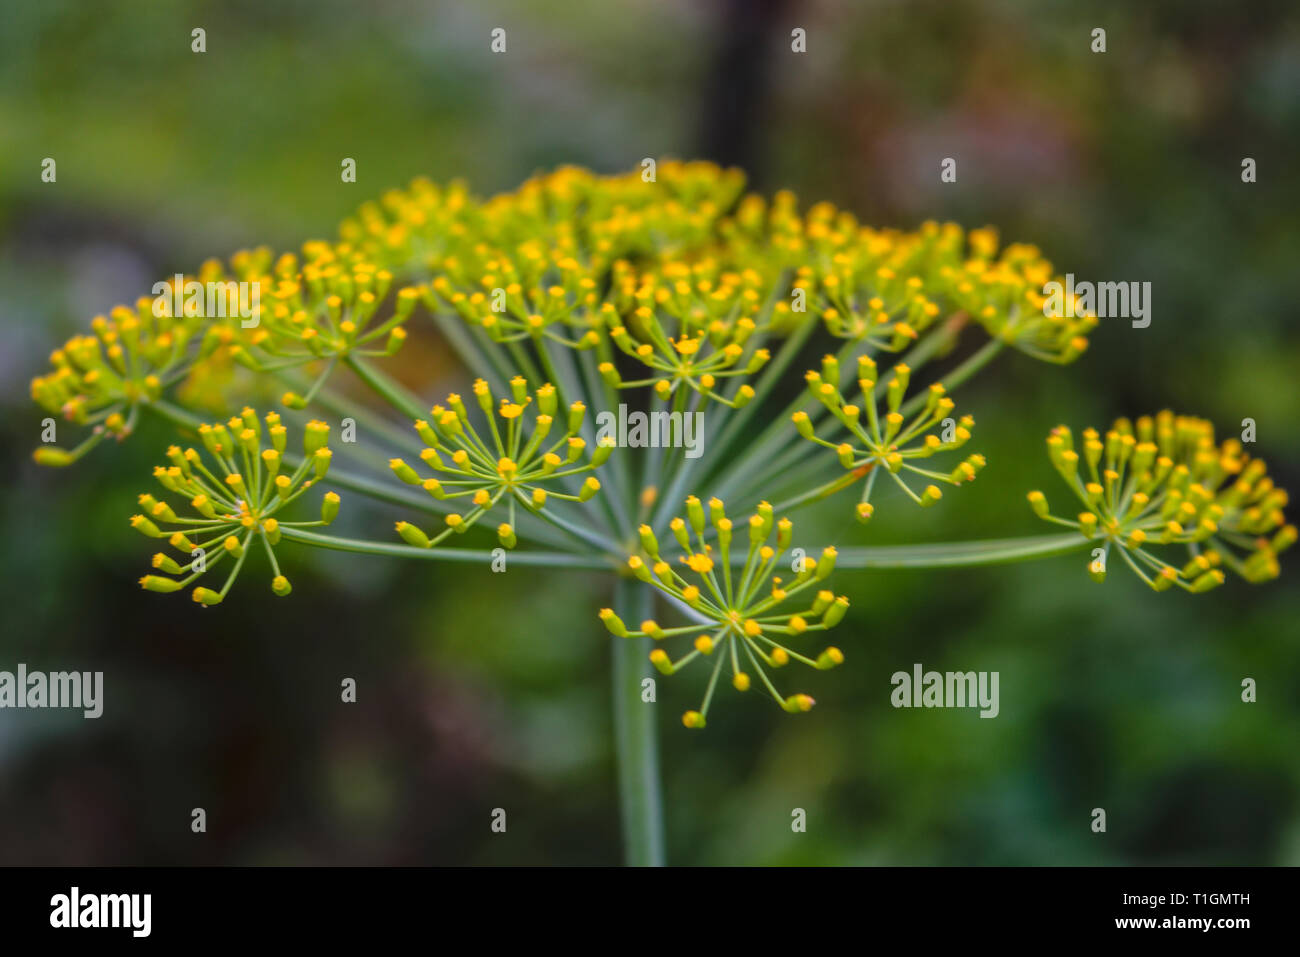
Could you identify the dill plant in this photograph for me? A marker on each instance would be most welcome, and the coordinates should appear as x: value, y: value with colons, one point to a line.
x: 678, y: 294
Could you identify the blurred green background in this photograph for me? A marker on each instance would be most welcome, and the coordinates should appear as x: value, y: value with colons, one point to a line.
x: 1123, y: 165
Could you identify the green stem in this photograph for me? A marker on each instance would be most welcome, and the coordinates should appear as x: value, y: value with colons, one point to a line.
x: 635, y: 735
x: 977, y: 361
x: 394, y: 393
x: 956, y: 554
x: 562, y: 559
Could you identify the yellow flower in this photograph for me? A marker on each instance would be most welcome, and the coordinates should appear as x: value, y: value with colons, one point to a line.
x: 1165, y: 481
x: 740, y: 608
x: 234, y: 511
x: 520, y: 464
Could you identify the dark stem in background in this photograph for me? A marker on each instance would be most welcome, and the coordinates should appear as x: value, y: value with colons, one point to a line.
x: 736, y: 88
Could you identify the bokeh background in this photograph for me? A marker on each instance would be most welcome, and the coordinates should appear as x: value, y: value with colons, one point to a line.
x: 1123, y: 165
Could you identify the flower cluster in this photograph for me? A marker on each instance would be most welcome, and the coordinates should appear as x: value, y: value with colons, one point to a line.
x: 738, y: 610
x: 891, y: 442
x: 675, y: 281
x: 1166, y: 481
x: 322, y: 310
x: 1006, y: 294
x: 516, y: 461
x: 667, y: 283
x: 684, y: 343
x: 232, y: 506
x: 100, y: 380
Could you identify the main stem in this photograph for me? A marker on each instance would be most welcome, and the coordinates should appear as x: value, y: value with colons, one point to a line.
x: 635, y: 738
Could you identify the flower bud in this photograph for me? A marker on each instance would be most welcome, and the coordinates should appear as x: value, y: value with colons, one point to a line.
x: 159, y: 584
x: 396, y: 338
x: 145, y: 526
x: 1164, y: 579
x: 695, y: 514
x: 577, y: 412
x: 835, y: 613
x: 830, y: 369
x: 412, y: 535
x: 1210, y: 579
x: 803, y: 424
x: 546, y: 401
x: 314, y: 436
x: 206, y: 596
x: 404, y: 471
x: 329, y: 507
x: 798, y: 703
x: 1038, y: 502
x: 426, y: 433
x: 52, y: 455
x: 830, y: 658
x: 826, y: 563
x: 638, y: 568
x: 613, y: 623
x: 648, y: 541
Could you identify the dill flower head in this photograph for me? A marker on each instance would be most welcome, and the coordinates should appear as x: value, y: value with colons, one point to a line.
x: 1004, y: 293
x: 323, y: 309
x: 234, y: 505
x: 890, y: 440
x: 523, y: 456
x: 410, y: 229
x: 1165, y: 481
x: 691, y: 328
x: 101, y: 379
x: 878, y: 288
x: 743, y: 612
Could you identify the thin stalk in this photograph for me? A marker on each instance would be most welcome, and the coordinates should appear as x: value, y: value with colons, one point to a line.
x: 392, y: 392
x: 977, y: 361
x: 560, y: 559
x: 486, y: 365
x: 958, y: 554
x: 635, y: 735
